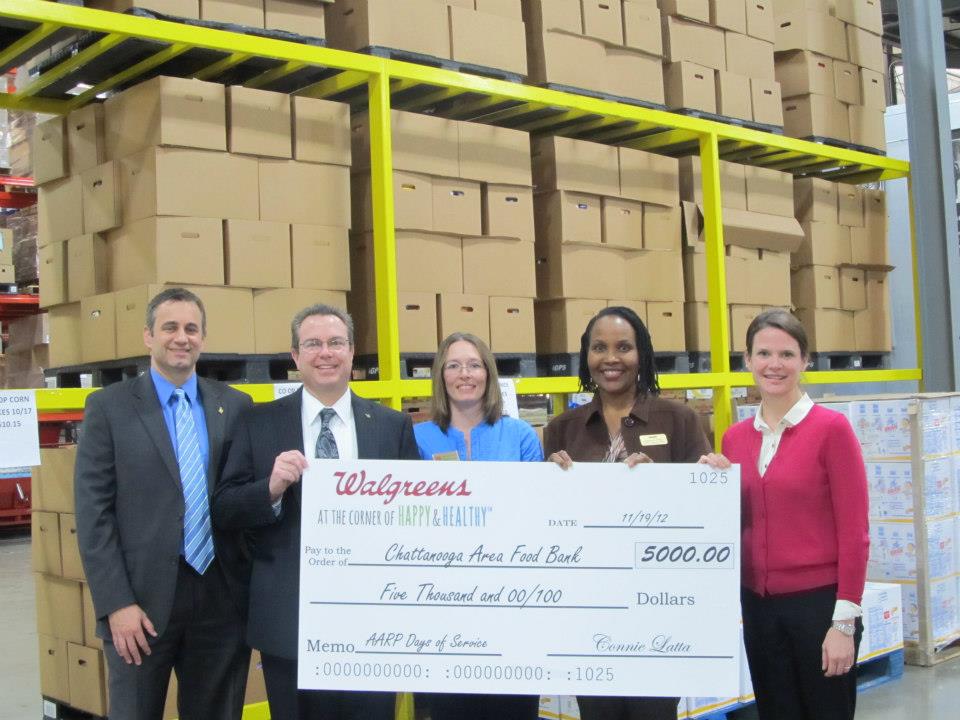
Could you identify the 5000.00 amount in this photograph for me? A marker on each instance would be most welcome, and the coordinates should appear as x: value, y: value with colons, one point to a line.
x: 706, y: 555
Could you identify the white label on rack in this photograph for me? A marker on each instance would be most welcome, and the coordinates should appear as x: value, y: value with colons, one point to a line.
x: 508, y: 391
x: 283, y: 389
x: 49, y: 710
x: 19, y: 435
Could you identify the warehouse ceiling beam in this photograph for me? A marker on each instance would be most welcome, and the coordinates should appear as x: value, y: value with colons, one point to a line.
x: 661, y: 140
x: 335, y: 85
x: 438, y: 95
x: 277, y: 73
x: 66, y: 67
x: 212, y: 72
x: 26, y: 47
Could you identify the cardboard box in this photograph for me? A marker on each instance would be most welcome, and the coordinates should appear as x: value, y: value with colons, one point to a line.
x: 853, y: 289
x: 54, y: 674
x: 321, y: 131
x: 769, y: 191
x: 320, y: 257
x: 177, y: 8
x: 816, y: 286
x: 52, y: 480
x: 685, y: 41
x: 666, y: 325
x: 850, y: 205
x: 696, y: 322
x: 846, y: 82
x: 871, y: 327
x: 234, y: 12
x: 45, y: 543
x: 562, y: 271
x: 766, y: 103
x: 801, y: 29
x: 867, y: 127
x: 560, y: 323
x: 828, y: 330
x: 463, y: 313
x: 873, y: 91
x: 7, y: 274
x: 566, y: 217
x: 630, y: 74
x: 456, y: 207
x: 259, y: 122
x: 868, y: 248
x: 101, y: 205
x: 90, y: 638
x: 497, y: 266
x: 746, y: 229
x: 6, y: 246
x: 866, y: 49
x: 470, y: 33
x: 65, y: 339
x: 655, y: 275
x: 417, y: 318
x: 733, y: 184
x: 698, y: 10
x: 487, y: 153
x: 289, y: 192
x: 421, y: 143
x: 824, y: 243
x: 815, y: 199
x: 733, y: 95
x: 412, y: 201
x: 50, y: 150
x: 88, y: 264
x: 274, y: 309
x: 801, y: 73
x: 749, y: 56
x: 87, y: 674
x: 166, y: 250
x: 561, y: 163
x: 602, y: 20
x: 419, y: 26
x: 69, y: 548
x: 770, y: 278
x: 875, y: 212
x: 866, y: 14
x: 98, y: 328
x: 60, y: 210
x: 738, y: 283
x: 731, y: 16
x: 543, y: 15
x: 166, y: 111
x: 59, y: 608
x: 662, y: 227
x: 256, y: 254
x: 505, y: 8
x: 443, y: 254
x: 740, y: 318
x: 52, y: 271
x: 641, y: 27
x: 760, y: 20
x: 648, y: 177
x: 507, y: 211
x: 816, y: 116
x: 194, y: 183
x: 622, y: 223
x: 295, y: 16
x: 690, y: 86
x: 511, y: 325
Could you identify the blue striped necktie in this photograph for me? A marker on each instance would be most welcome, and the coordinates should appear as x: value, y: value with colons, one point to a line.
x: 197, y: 534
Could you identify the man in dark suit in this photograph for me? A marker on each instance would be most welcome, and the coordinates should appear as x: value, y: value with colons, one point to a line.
x: 260, y: 492
x: 169, y: 590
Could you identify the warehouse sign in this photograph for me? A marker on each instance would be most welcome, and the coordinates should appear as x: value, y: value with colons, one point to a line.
x: 19, y: 434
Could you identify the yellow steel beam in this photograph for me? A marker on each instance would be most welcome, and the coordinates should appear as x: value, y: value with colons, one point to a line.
x: 281, y: 71
x: 564, y: 117
x: 341, y: 82
x: 21, y: 46
x: 432, y: 98
x: 661, y: 140
x: 216, y: 69
x: 68, y: 66
x: 10, y: 101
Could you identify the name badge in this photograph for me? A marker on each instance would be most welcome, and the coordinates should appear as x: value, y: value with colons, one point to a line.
x: 449, y: 455
x: 648, y: 440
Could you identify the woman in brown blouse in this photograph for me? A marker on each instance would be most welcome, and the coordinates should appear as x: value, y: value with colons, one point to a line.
x: 627, y: 422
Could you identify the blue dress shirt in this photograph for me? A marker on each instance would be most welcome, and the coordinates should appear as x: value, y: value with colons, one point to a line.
x: 165, y: 390
x: 508, y: 439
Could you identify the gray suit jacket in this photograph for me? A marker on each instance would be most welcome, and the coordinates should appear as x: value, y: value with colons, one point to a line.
x: 130, y: 501
x: 242, y: 502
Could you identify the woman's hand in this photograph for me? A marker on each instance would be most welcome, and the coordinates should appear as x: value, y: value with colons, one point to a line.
x: 837, y: 653
x: 637, y: 458
x: 561, y: 458
x: 715, y: 460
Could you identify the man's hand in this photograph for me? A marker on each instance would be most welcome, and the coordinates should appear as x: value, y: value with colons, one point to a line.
x: 126, y: 628
x: 287, y: 469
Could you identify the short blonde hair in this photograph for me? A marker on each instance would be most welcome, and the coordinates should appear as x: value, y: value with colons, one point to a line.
x: 440, y: 403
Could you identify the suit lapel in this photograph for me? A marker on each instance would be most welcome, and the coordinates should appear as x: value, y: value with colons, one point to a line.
x: 363, y: 423
x: 210, y: 396
x: 151, y: 415
x: 290, y: 428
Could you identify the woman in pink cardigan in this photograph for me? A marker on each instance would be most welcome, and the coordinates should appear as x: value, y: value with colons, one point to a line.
x: 804, y: 535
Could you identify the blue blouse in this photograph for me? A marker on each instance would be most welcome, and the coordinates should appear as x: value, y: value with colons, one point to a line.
x: 508, y: 439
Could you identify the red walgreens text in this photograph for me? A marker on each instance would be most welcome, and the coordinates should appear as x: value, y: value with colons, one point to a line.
x: 357, y: 484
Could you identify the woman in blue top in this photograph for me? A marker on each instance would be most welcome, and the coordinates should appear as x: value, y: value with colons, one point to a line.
x: 468, y: 424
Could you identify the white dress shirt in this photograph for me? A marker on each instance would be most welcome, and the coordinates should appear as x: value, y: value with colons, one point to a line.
x: 342, y: 426
x: 844, y: 609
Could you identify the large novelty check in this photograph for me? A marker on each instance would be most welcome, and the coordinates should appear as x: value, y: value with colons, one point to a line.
x: 520, y: 578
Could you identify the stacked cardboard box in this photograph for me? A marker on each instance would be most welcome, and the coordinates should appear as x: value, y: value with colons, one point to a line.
x: 73, y: 670
x: 463, y: 213
x: 303, y: 17
x: 241, y: 195
x: 839, y: 279
x: 718, y: 58
x: 831, y: 67
x: 459, y: 30
x: 607, y: 47
x: 7, y: 273
x: 759, y: 232
x: 27, y: 351
x: 608, y: 233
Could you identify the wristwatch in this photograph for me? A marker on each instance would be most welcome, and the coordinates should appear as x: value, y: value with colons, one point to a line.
x: 847, y: 627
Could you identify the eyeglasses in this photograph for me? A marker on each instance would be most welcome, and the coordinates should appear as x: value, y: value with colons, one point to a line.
x: 334, y: 345
x: 473, y: 367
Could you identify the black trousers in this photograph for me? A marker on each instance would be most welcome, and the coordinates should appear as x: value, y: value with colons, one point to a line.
x: 464, y: 706
x: 627, y: 708
x: 289, y: 703
x: 783, y: 636
x: 203, y: 643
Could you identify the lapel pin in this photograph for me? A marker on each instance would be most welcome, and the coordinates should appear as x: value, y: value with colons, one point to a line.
x: 220, y: 410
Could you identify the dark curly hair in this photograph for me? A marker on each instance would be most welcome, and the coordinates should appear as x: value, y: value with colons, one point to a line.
x: 647, y: 383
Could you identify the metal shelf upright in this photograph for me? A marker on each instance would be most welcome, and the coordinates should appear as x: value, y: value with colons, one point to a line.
x: 27, y: 26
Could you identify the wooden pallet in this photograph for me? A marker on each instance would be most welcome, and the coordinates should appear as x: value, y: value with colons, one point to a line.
x: 928, y: 657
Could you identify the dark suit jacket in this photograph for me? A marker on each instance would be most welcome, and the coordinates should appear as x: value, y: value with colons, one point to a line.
x: 242, y: 502
x: 130, y: 500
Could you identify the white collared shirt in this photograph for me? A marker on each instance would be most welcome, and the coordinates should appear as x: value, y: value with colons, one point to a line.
x: 844, y: 609
x: 342, y: 426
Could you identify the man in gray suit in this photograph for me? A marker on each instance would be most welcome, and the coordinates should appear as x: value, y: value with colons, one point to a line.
x: 260, y: 492
x: 169, y: 591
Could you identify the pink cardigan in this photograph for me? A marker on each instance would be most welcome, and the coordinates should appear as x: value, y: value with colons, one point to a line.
x: 805, y: 521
